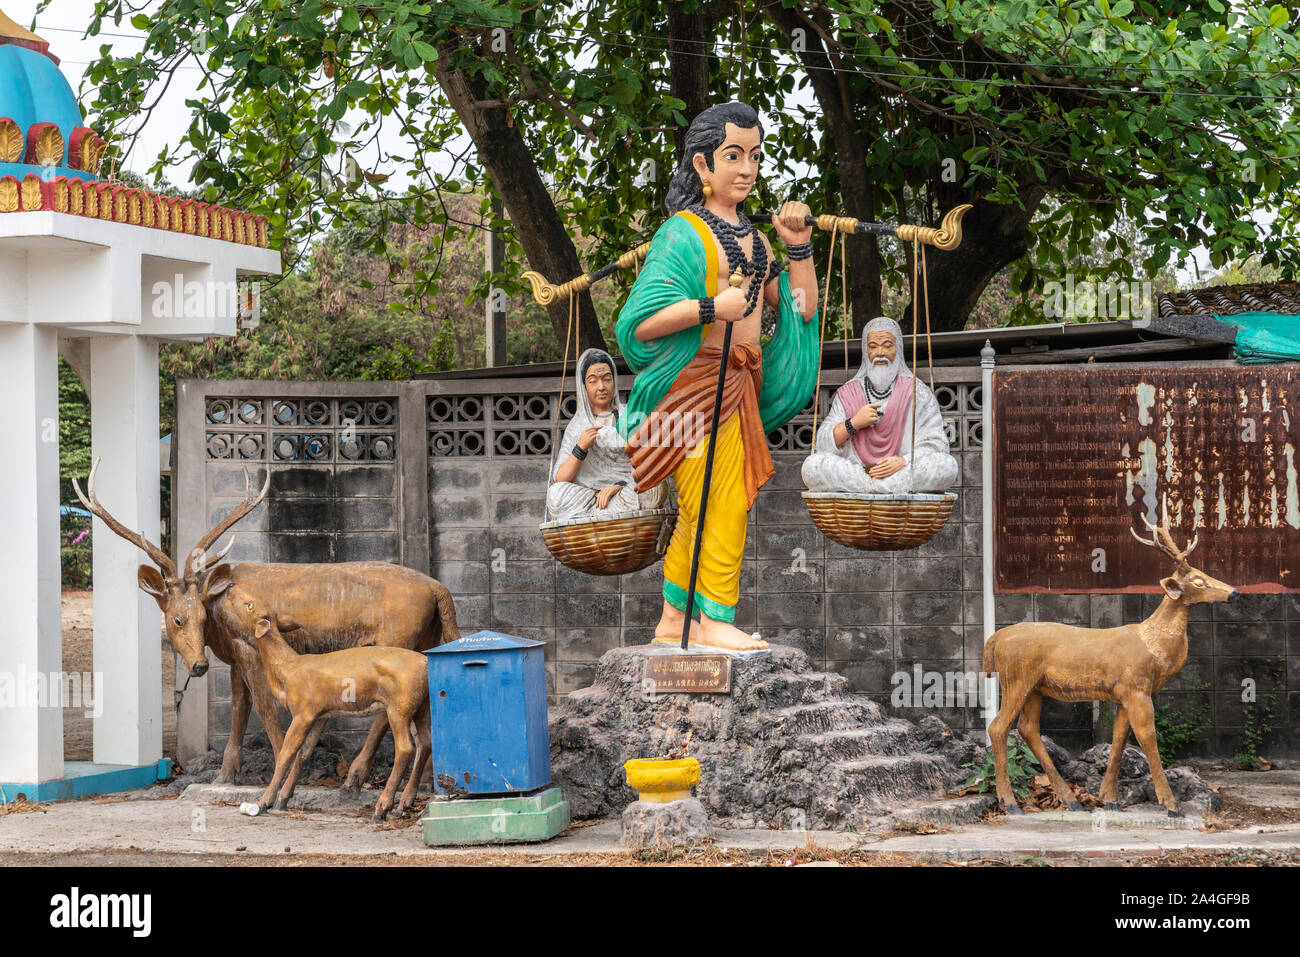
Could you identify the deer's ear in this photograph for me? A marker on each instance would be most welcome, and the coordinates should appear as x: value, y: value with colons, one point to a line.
x: 287, y: 623
x: 262, y: 628
x: 216, y: 582
x: 1171, y: 587
x: 151, y: 582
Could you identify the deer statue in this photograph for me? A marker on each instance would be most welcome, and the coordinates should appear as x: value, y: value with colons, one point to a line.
x: 362, y: 680
x: 1127, y: 665
x: 342, y: 605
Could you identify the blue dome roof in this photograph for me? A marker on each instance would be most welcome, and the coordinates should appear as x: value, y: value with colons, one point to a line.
x: 34, y: 90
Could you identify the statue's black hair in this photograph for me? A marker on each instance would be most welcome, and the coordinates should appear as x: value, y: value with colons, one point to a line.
x: 596, y: 358
x: 705, y: 134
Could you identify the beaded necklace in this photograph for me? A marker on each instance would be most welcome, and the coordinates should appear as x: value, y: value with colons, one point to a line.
x: 727, y: 234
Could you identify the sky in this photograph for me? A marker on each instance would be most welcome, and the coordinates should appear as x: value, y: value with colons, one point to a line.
x: 64, y: 21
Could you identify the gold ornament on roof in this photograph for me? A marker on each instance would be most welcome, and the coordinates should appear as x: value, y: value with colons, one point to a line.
x: 11, y: 142
x: 49, y: 147
x: 92, y: 153
x: 32, y: 198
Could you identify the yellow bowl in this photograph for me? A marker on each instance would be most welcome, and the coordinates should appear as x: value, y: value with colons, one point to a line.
x: 662, y: 781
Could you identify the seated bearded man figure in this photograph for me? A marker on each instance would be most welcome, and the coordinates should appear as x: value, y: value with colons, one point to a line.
x: 593, y: 476
x: 865, y: 443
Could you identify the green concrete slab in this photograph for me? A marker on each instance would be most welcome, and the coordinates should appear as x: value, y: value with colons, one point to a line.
x: 495, y: 820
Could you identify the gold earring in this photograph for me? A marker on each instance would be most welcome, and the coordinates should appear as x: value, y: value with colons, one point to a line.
x: 708, y: 190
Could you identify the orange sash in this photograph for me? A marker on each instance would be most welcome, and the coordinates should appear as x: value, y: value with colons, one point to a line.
x: 685, y: 417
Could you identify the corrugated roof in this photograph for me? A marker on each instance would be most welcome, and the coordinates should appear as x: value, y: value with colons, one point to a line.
x: 1283, y: 297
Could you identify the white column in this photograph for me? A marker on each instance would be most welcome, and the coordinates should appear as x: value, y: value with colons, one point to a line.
x: 987, y: 360
x: 124, y: 434
x: 31, y: 637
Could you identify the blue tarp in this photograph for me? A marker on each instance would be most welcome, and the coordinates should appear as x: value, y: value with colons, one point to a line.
x: 1265, y: 336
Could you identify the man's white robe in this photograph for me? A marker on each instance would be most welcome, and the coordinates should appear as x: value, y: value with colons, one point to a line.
x: 930, y: 467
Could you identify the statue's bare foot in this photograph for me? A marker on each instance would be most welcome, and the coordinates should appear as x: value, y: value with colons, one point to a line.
x: 721, y: 634
x: 669, y: 629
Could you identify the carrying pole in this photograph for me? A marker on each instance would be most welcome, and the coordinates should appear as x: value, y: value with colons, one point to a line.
x: 736, y: 279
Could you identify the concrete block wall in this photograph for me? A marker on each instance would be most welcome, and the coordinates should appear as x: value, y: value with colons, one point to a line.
x: 464, y: 504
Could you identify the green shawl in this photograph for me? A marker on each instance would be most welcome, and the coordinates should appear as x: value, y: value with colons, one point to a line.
x: 675, y: 269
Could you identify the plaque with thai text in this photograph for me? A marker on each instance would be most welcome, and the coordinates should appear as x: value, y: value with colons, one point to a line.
x: 695, y: 674
x: 1083, y: 456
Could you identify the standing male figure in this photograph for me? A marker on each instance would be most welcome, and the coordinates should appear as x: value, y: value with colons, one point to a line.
x: 671, y: 333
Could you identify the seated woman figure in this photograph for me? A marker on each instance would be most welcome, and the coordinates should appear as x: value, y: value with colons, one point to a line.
x: 865, y: 442
x: 593, y: 476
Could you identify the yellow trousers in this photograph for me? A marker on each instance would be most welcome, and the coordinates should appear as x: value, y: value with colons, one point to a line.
x: 717, y: 589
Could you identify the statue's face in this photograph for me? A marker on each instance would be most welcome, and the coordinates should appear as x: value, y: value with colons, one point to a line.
x: 882, y: 348
x: 735, y: 165
x: 600, y: 387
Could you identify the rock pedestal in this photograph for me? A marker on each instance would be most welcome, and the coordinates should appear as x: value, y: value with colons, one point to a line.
x: 648, y: 824
x: 788, y: 747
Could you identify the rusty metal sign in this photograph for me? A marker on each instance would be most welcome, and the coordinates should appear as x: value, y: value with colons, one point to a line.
x: 1081, y: 456
x: 693, y: 674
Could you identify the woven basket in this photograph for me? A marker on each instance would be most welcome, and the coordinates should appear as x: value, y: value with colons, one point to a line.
x: 879, y: 523
x: 625, y: 543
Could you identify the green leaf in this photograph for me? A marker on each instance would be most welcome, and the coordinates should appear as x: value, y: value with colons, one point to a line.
x: 351, y: 20
x: 141, y: 21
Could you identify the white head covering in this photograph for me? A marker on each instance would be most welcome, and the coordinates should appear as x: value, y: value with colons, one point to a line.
x: 881, y: 324
x: 606, y: 461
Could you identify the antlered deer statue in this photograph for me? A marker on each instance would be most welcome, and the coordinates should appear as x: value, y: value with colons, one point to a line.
x: 1127, y: 665
x: 341, y: 605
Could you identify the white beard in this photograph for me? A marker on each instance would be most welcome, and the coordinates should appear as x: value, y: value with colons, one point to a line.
x: 882, y: 377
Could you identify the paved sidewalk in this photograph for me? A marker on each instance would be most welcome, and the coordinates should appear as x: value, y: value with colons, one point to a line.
x: 195, y: 824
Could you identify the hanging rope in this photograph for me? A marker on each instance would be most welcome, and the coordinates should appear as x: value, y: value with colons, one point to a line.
x: 569, y: 333
x: 929, y: 344
x: 844, y: 302
x: 911, y: 472
x: 821, y: 336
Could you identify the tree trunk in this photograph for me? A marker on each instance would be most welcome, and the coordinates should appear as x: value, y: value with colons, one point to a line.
x: 850, y: 146
x: 690, y: 46
x: 507, y: 159
x: 994, y: 235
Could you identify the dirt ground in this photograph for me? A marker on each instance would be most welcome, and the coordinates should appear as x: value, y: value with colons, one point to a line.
x: 79, y: 657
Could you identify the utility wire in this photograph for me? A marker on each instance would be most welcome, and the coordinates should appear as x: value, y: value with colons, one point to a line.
x: 611, y: 42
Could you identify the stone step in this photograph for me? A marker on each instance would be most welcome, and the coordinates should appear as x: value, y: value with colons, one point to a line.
x: 893, y: 777
x: 942, y: 812
x: 821, y: 717
x: 892, y: 738
x: 785, y: 689
x: 856, y: 791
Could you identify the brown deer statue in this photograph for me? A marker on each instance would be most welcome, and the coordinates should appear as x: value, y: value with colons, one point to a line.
x: 363, y: 680
x: 1127, y: 665
x: 342, y: 605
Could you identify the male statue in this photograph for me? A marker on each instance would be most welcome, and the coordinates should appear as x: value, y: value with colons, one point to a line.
x: 865, y: 443
x: 671, y: 333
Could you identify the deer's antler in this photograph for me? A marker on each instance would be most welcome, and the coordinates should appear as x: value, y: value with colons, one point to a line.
x: 211, y: 560
x: 196, y: 563
x: 1165, y: 542
x: 158, y: 556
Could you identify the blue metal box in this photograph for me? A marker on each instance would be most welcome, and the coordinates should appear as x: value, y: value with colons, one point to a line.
x: 487, y: 696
